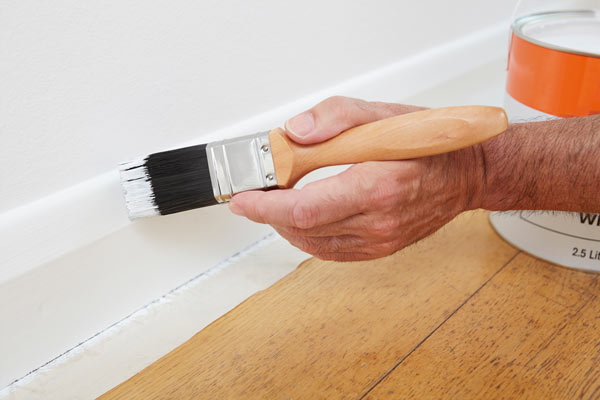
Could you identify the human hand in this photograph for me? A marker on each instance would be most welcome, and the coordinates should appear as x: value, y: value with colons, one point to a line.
x: 372, y: 209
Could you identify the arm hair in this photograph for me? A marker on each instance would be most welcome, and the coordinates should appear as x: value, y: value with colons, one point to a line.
x: 549, y: 165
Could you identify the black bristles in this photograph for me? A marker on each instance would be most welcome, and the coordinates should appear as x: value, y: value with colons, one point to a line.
x: 180, y: 179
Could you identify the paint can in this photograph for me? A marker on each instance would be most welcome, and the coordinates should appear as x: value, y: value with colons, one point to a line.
x: 553, y: 71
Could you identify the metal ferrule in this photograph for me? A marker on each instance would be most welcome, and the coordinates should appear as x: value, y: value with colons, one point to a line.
x: 240, y: 164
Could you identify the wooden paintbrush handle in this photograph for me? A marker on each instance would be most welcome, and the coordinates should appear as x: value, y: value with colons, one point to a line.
x: 412, y: 135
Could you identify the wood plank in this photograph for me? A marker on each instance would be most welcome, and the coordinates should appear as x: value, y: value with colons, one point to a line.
x: 532, y: 332
x: 329, y: 329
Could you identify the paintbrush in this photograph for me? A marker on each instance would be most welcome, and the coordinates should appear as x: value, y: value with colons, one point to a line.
x: 197, y: 176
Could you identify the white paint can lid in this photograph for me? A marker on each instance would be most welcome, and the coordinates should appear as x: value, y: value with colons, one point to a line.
x: 576, y: 31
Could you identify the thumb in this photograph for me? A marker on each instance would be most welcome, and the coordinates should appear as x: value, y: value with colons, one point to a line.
x: 337, y: 114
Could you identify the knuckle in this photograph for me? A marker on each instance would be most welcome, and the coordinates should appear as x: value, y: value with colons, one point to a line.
x: 386, y: 201
x: 384, y: 228
x: 385, y: 197
x: 335, y: 100
x: 304, y: 216
x: 376, y: 184
x: 364, y: 105
x: 340, y: 106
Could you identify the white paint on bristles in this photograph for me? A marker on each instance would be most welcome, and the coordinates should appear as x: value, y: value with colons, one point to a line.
x: 137, y: 188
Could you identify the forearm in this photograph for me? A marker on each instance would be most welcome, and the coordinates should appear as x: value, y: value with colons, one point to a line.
x: 550, y: 165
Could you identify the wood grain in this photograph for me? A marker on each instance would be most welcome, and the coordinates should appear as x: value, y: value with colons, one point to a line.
x: 532, y: 332
x: 329, y: 330
x: 412, y: 135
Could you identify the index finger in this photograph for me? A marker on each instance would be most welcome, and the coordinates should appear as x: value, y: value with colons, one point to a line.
x: 321, y: 202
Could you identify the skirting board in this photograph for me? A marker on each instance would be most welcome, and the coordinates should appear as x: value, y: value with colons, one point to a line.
x: 38, y: 232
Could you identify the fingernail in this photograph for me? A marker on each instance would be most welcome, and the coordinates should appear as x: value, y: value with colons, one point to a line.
x: 301, y: 124
x: 235, y: 208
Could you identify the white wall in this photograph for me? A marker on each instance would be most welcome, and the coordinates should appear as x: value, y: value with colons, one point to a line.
x: 84, y: 85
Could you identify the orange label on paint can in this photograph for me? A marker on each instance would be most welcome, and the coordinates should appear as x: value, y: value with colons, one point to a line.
x: 555, y: 82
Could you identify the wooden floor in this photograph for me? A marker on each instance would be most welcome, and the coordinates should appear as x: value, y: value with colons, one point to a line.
x: 459, y: 315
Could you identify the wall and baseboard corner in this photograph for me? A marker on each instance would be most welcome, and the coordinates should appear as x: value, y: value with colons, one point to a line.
x: 76, y: 274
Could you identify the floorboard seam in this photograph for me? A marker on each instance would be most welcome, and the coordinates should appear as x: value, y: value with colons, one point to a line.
x: 219, y: 266
x: 381, y: 378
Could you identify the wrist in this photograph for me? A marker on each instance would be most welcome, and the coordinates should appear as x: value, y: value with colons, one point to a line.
x: 504, y: 180
x: 474, y: 181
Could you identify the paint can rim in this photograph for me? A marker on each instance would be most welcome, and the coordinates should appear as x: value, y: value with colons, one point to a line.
x: 525, y: 21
